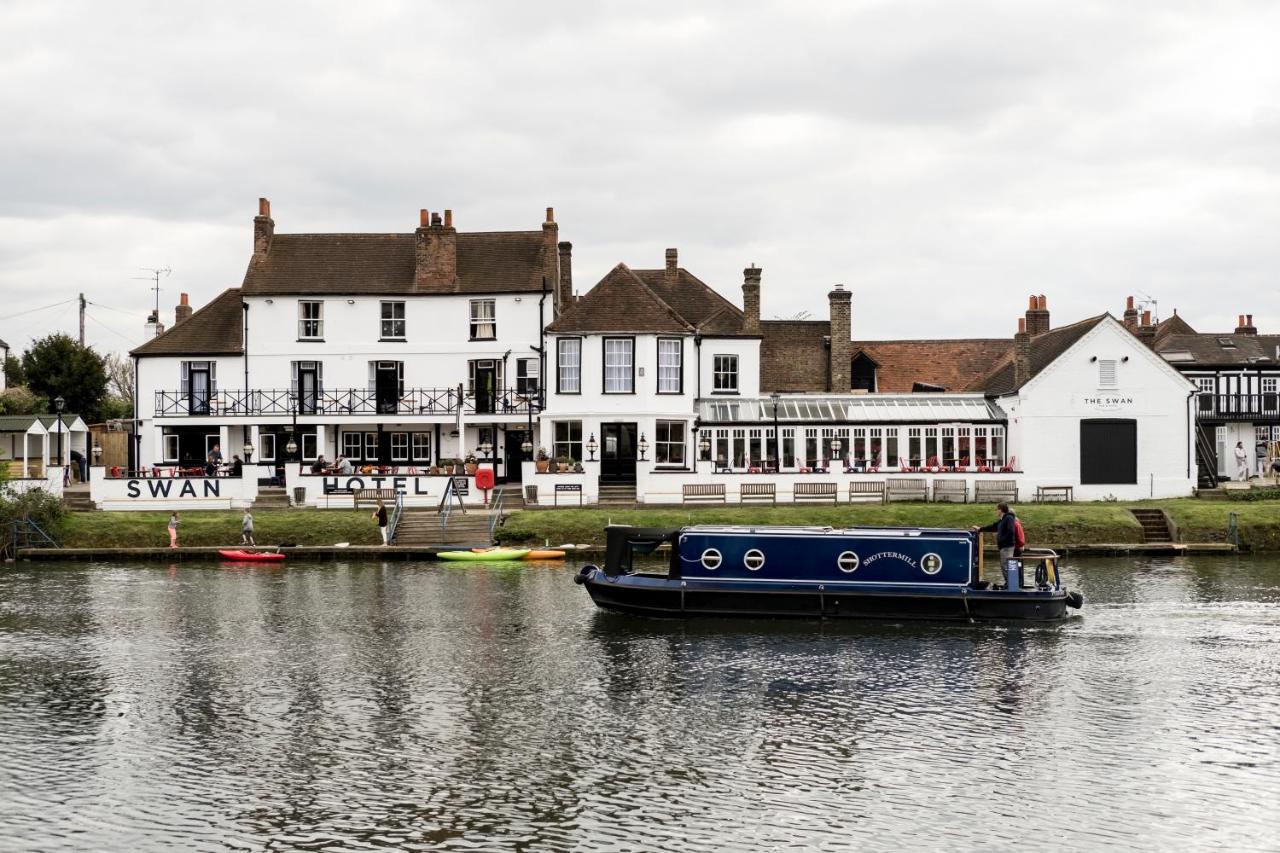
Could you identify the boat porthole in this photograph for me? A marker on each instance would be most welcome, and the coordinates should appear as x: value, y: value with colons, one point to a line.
x: 711, y: 559
x: 931, y: 564
x: 848, y: 561
x: 753, y: 559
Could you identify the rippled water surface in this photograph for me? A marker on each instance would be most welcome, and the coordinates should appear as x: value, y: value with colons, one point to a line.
x: 404, y: 706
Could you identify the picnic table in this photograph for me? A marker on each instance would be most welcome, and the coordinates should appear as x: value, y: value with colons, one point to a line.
x: 1054, y: 493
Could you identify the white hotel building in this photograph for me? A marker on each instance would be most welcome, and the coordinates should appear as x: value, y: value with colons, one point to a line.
x: 398, y: 351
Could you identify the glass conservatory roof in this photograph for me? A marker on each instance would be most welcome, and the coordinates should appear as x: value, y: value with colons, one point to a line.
x: 855, y: 408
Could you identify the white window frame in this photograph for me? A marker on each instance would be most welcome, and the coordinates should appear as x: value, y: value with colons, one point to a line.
x: 724, y: 374
x: 670, y: 370
x: 169, y: 450
x: 353, y: 445
x: 371, y: 446
x: 1207, y: 384
x: 267, y: 447
x: 661, y: 442
x: 479, y: 321
x: 568, y: 446
x: 619, y: 361
x: 420, y: 446
x: 309, y: 447
x: 1270, y: 385
x: 314, y: 325
x: 527, y: 376
x: 400, y: 446
x: 568, y: 365
x: 387, y: 328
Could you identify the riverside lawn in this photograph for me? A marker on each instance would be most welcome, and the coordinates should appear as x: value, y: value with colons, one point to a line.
x: 1046, y: 524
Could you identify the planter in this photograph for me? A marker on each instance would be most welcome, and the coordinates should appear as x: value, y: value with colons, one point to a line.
x: 543, y: 465
x: 471, y: 468
x: 562, y: 467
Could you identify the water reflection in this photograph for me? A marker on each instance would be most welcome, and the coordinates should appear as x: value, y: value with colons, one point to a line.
x: 492, y: 707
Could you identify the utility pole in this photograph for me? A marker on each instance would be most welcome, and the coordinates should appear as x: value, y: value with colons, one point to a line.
x: 82, y: 319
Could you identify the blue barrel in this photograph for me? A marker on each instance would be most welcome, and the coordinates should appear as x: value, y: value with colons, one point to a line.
x: 1013, y: 574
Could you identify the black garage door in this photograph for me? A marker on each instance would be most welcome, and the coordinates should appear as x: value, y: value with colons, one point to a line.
x: 1108, y: 451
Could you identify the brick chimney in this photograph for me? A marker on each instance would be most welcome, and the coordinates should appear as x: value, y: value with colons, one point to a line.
x: 182, y: 312
x: 1244, y: 325
x: 1021, y: 354
x: 551, y: 256
x: 1147, y: 330
x: 751, y: 300
x: 564, y: 288
x: 436, y: 250
x: 264, y: 228
x: 1130, y: 314
x: 1037, y: 315
x: 840, y: 301
x: 672, y: 273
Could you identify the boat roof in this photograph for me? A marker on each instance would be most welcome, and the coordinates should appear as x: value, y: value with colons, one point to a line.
x: 775, y: 530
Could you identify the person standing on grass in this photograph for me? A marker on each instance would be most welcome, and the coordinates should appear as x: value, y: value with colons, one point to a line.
x: 246, y: 529
x: 173, y: 529
x: 381, y: 517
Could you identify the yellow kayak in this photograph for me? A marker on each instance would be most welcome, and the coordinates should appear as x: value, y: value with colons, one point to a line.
x: 485, y: 554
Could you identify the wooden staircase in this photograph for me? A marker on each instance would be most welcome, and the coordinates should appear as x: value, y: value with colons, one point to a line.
x: 617, y: 494
x: 1155, y: 529
x: 421, y: 529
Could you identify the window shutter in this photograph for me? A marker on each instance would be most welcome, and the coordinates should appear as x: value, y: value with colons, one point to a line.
x: 184, y: 378
x: 213, y: 377
x: 1107, y: 372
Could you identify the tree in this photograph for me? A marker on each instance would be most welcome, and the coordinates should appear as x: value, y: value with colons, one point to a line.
x: 57, y: 366
x: 13, y: 374
x: 120, y: 378
x: 20, y: 401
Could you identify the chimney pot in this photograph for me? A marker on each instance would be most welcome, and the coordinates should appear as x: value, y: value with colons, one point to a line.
x: 1044, y: 303
x: 424, y: 218
x: 264, y: 207
x: 435, y: 220
x: 448, y: 219
x: 1128, y: 305
x: 551, y: 214
x: 1146, y: 318
x: 1249, y: 317
x: 1022, y: 325
x: 182, y: 299
x: 1034, y: 303
x: 1240, y: 320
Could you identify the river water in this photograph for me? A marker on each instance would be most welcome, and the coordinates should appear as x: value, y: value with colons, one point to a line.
x: 419, y: 706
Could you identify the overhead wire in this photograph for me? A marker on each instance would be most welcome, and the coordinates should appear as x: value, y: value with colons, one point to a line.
x: 34, y: 310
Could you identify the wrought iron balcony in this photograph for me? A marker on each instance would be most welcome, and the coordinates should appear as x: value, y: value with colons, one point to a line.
x: 1238, y: 407
x: 347, y: 401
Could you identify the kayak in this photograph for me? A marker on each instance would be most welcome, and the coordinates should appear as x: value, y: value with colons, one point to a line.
x: 251, y: 556
x: 544, y: 555
x: 485, y: 554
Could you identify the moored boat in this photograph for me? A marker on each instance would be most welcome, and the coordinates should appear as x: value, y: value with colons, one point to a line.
x: 863, y: 572
x: 484, y: 555
x: 251, y: 556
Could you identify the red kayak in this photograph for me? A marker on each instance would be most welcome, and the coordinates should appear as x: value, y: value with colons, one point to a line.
x: 251, y: 556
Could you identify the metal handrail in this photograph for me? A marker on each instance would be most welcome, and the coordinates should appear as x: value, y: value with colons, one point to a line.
x: 22, y: 530
x: 395, y: 517
x: 495, y: 512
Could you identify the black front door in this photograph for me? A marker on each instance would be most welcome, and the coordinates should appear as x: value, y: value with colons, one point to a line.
x: 1108, y: 451
x: 618, y: 452
x: 513, y: 456
x: 484, y: 384
x: 386, y: 386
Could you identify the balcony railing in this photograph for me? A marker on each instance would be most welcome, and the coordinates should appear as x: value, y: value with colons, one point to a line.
x: 1237, y: 407
x: 348, y: 401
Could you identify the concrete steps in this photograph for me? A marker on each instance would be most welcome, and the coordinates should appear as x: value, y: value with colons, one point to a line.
x: 617, y: 494
x: 422, y: 530
x: 1155, y: 529
x: 76, y: 499
x: 271, y: 497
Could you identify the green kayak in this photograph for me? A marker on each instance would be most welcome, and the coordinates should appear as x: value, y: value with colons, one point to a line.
x: 486, y: 555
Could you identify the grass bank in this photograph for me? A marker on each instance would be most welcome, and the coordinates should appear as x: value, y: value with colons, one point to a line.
x: 218, y: 527
x: 1057, y: 524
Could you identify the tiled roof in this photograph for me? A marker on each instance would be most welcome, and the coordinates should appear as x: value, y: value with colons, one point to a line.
x: 695, y: 301
x: 17, y: 423
x: 216, y: 329
x: 794, y: 355
x: 342, y: 264
x: 1228, y: 349
x: 1175, y: 325
x: 621, y: 302
x: 1045, y: 349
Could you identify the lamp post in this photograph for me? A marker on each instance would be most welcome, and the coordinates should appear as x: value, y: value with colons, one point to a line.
x: 486, y: 449
x: 592, y: 447
x: 835, y: 448
x: 248, y: 452
x: 777, y: 436
x: 644, y: 447
x: 58, y: 404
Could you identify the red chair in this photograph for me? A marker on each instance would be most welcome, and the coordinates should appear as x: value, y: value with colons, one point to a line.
x: 1010, y: 466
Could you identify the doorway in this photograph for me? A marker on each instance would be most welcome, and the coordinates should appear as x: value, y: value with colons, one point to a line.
x: 1108, y: 451
x: 308, y: 387
x: 388, y: 380
x: 618, y: 453
x: 513, y: 456
x: 199, y: 387
x: 484, y: 384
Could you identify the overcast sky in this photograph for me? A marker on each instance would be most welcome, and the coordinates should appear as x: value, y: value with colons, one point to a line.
x: 943, y: 160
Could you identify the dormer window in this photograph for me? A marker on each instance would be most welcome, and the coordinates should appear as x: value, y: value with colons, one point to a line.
x: 862, y: 374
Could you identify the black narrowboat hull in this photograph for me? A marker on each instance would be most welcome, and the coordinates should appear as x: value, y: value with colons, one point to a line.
x: 655, y: 595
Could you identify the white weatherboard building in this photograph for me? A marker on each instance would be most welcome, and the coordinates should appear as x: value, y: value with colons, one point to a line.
x: 404, y: 352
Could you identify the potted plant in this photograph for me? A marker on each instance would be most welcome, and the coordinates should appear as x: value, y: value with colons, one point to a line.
x: 470, y: 464
x: 577, y: 467
x: 563, y: 463
x: 543, y: 461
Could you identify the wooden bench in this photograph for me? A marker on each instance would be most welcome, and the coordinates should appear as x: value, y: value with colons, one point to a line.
x: 821, y: 492
x: 866, y: 490
x: 908, y: 489
x: 995, y: 491
x: 1054, y: 493
x: 951, y: 490
x: 759, y: 492
x: 373, y: 496
x: 709, y: 492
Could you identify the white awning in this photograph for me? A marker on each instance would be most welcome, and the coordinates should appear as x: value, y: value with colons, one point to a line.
x: 854, y: 408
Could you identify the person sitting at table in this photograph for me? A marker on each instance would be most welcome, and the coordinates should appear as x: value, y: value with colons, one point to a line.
x: 344, y: 465
x: 319, y: 465
x: 213, y: 461
x: 237, y: 467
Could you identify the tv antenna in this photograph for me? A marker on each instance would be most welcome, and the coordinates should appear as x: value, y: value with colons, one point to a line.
x: 155, y: 278
x: 1145, y: 299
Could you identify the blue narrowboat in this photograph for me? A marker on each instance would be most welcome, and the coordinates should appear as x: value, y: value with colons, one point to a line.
x: 861, y: 572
